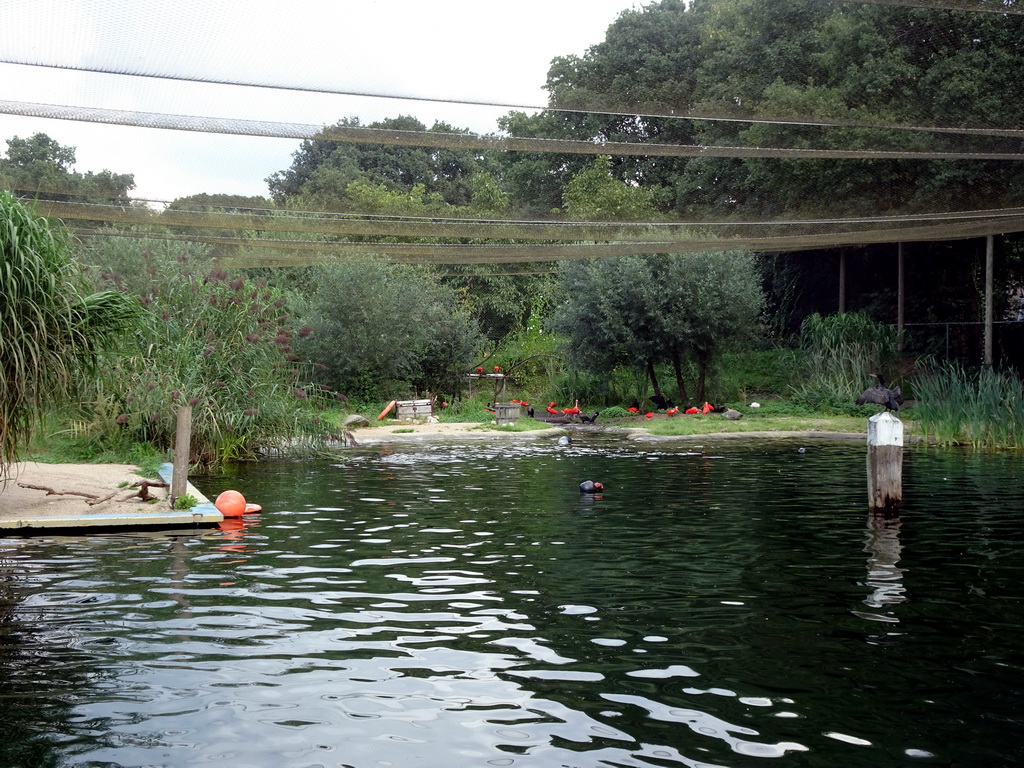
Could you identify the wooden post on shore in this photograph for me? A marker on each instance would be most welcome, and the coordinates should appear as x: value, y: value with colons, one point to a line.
x: 885, y: 463
x: 182, y: 449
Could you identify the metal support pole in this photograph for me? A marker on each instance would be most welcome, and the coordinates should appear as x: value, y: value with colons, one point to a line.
x: 901, y: 341
x: 842, y: 280
x: 989, y: 309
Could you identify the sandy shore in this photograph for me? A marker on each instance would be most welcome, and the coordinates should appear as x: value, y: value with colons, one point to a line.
x: 58, y: 490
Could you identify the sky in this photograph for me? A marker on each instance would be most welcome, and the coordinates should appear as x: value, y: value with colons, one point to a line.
x: 454, y: 50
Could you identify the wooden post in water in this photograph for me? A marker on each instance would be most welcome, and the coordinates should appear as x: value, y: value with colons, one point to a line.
x: 182, y: 449
x: 885, y: 463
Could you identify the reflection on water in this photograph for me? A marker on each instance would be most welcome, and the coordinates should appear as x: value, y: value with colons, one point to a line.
x: 884, y: 577
x: 449, y: 605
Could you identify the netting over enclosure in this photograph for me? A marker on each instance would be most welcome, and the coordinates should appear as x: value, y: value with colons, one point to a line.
x: 726, y: 124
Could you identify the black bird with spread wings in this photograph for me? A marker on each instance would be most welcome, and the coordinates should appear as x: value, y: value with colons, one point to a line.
x: 881, y: 394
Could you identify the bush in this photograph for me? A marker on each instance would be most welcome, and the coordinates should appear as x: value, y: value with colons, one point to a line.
x: 219, y: 343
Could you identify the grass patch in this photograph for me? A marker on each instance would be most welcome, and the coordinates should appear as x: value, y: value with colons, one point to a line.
x: 185, y: 501
x: 403, y: 430
x: 66, y: 446
x: 714, y: 423
x: 523, y: 425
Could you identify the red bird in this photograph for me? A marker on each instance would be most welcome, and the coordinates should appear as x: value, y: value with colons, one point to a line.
x: 551, y: 409
x: 649, y: 415
x: 672, y: 411
x: 479, y: 369
x: 708, y: 407
x: 497, y: 368
x: 691, y: 410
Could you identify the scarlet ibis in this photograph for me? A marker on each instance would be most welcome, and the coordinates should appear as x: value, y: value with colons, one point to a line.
x: 691, y: 410
x: 649, y: 415
x: 672, y: 411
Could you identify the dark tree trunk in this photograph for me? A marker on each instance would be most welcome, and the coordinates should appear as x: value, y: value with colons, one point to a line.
x: 702, y: 373
x: 677, y: 364
x: 654, y: 379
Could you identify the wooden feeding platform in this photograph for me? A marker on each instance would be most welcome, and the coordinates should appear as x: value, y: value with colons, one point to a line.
x: 499, y: 380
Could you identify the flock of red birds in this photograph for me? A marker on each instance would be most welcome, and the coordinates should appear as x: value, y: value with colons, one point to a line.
x: 674, y: 410
x: 574, y: 410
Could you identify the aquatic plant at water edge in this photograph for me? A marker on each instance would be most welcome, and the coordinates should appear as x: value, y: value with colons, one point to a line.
x: 979, y: 407
x: 841, y: 350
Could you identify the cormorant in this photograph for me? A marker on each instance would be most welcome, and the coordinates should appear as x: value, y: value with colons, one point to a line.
x: 881, y: 394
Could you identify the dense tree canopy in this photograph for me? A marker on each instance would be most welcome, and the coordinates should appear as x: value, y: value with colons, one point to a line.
x: 39, y: 164
x: 646, y: 310
x: 380, y: 330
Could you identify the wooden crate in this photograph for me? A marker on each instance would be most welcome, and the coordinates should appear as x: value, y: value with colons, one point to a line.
x: 413, y: 409
x: 507, y: 413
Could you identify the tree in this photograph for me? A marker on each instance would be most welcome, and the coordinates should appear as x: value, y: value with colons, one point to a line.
x: 40, y: 164
x: 53, y: 330
x: 380, y: 330
x: 594, y: 194
x: 323, y: 170
x: 641, y: 311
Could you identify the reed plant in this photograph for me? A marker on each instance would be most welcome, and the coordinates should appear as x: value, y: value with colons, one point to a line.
x: 840, y: 351
x: 983, y: 408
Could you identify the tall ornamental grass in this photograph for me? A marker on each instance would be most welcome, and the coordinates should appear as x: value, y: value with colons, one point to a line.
x: 220, y: 343
x: 841, y: 350
x: 980, y: 408
x: 52, y: 328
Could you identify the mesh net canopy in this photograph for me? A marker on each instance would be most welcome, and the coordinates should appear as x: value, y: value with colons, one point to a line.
x: 797, y: 163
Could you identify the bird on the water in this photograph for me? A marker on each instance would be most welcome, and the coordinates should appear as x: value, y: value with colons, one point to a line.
x: 881, y: 394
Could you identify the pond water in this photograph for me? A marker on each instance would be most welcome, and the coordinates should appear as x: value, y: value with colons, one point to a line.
x: 461, y: 604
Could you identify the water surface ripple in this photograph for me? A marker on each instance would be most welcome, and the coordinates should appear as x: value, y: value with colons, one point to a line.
x: 463, y: 605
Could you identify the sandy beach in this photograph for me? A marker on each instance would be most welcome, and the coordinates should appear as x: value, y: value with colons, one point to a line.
x: 58, y: 490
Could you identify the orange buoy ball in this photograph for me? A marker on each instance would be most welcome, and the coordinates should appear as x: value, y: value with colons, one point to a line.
x: 230, y: 504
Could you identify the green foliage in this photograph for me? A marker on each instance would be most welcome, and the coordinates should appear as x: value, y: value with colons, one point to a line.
x: 219, y: 343
x: 755, y: 374
x: 594, y: 194
x: 185, y: 501
x: 383, y: 331
x: 615, y: 412
x: 980, y: 407
x: 325, y: 170
x: 40, y: 164
x: 644, y: 310
x: 52, y: 330
x: 840, y: 351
